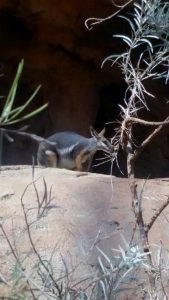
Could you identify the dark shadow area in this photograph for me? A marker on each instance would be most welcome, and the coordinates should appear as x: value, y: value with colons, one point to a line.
x: 107, y: 116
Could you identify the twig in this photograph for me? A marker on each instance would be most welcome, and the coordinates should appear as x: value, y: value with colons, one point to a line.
x: 96, y: 21
x: 160, y: 271
x: 149, y: 139
x: 46, y: 200
x: 8, y: 241
x: 42, y: 292
x: 37, y: 195
x: 33, y: 245
x: 16, y: 257
x: 131, y: 120
x: 49, y: 262
x: 157, y: 214
x: 136, y: 204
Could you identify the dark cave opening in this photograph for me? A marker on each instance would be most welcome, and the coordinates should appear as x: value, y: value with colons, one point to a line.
x: 107, y: 116
x: 154, y: 160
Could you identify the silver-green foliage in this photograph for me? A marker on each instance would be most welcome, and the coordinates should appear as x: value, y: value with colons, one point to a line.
x: 120, y: 269
x: 149, y: 24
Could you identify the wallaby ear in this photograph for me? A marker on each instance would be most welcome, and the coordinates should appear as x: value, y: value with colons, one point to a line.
x: 102, y: 132
x: 93, y: 132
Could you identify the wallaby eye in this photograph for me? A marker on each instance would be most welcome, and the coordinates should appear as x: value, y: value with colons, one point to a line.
x: 106, y: 142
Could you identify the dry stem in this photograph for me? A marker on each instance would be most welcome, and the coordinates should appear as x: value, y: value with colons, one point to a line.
x: 96, y: 21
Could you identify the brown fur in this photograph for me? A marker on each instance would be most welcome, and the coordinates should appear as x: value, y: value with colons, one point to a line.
x: 51, y: 158
x: 83, y: 161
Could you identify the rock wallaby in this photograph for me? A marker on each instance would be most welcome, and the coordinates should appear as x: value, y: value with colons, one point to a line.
x: 68, y: 149
x: 71, y: 150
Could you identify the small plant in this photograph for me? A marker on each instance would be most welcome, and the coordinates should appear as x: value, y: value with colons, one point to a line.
x: 119, y: 270
x: 11, y: 115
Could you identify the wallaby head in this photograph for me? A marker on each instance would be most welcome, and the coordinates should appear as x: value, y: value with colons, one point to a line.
x: 101, y: 142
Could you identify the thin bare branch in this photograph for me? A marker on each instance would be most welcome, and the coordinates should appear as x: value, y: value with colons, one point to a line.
x: 95, y: 21
x: 8, y: 241
x: 33, y: 245
x: 157, y: 214
x: 149, y: 139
